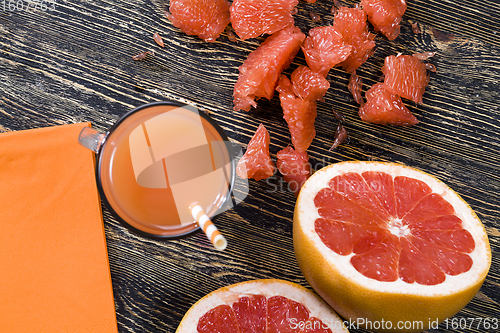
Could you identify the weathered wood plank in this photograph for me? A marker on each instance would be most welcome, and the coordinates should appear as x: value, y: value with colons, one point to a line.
x: 75, y: 64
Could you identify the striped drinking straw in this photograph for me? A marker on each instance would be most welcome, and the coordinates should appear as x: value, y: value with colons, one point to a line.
x: 218, y: 241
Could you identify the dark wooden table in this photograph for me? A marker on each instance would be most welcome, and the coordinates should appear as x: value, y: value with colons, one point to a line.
x: 71, y: 61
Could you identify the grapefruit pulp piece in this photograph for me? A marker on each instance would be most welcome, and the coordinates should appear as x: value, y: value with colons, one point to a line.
x: 389, y: 243
x: 309, y: 85
x: 252, y: 18
x: 256, y: 162
x: 206, y: 19
x: 300, y: 114
x: 295, y: 168
x: 383, y: 107
x: 324, y: 48
x: 267, y: 305
x: 406, y: 76
x: 385, y: 15
x: 351, y: 24
x: 259, y: 73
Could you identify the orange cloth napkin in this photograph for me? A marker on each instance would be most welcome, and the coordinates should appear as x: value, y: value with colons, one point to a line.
x: 54, y: 269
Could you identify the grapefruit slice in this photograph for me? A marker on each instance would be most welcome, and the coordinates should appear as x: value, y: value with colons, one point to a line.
x: 267, y: 305
x: 299, y: 114
x: 390, y: 244
x: 383, y: 107
x: 295, y: 168
x: 406, y: 76
x: 206, y: 19
x: 256, y: 162
x: 385, y: 15
x: 260, y: 71
x: 252, y: 18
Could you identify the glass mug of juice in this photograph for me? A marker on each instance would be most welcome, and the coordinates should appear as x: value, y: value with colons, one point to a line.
x: 157, y: 161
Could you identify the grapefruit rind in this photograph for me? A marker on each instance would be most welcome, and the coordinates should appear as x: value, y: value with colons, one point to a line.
x: 354, y: 296
x: 266, y: 287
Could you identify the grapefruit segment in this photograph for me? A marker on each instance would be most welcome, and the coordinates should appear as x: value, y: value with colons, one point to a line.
x: 351, y: 24
x: 252, y: 18
x: 408, y: 192
x: 385, y: 15
x: 431, y: 206
x: 299, y: 114
x: 324, y: 48
x: 382, y: 185
x: 422, y: 257
x: 449, y: 261
x: 258, y: 306
x: 447, y: 222
x: 415, y: 267
x: 384, y: 107
x: 406, y: 76
x: 251, y: 313
x: 259, y: 73
x: 256, y: 162
x: 295, y: 168
x: 354, y: 187
x: 282, y: 312
x: 332, y: 205
x: 218, y: 320
x: 459, y: 240
x: 206, y: 19
x: 381, y: 261
x: 343, y: 237
x: 309, y: 85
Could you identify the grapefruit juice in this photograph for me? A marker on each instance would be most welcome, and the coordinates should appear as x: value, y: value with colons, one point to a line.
x: 158, y: 161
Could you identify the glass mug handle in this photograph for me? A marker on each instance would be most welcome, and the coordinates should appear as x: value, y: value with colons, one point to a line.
x: 91, y: 139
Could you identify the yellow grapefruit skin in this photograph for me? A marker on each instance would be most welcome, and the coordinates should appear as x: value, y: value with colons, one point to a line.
x: 266, y: 287
x: 375, y: 305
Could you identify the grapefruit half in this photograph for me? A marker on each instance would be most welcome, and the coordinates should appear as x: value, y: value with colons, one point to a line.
x: 389, y: 247
x: 268, y: 305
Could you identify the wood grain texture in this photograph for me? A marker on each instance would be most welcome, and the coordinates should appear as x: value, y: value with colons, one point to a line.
x: 75, y: 64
